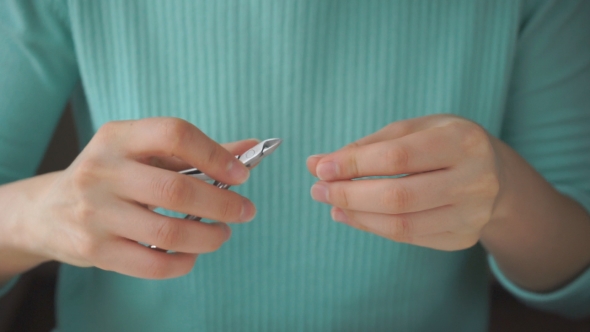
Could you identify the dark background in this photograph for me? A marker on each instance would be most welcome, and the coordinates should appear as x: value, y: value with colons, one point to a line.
x: 30, y: 305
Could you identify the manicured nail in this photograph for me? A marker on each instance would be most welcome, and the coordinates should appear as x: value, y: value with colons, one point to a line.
x: 319, y: 192
x: 327, y: 171
x: 248, y: 210
x: 339, y: 215
x: 237, y: 171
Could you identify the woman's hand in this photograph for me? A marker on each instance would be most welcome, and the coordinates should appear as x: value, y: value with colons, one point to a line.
x: 454, y: 179
x: 95, y: 212
x: 462, y: 186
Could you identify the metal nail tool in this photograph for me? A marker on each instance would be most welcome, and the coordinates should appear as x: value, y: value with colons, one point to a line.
x: 249, y: 158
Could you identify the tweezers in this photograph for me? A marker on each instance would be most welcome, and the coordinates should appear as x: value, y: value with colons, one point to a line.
x: 249, y: 158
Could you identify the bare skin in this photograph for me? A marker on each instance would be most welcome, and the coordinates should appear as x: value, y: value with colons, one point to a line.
x: 464, y: 186
x: 96, y: 211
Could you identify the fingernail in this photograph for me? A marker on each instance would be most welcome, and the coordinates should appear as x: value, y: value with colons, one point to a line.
x: 316, y: 156
x: 319, y: 192
x: 327, y: 171
x: 339, y: 215
x: 238, y: 171
x: 248, y: 210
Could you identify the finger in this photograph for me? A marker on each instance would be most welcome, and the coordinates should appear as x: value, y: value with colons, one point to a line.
x: 174, y: 137
x: 423, y: 151
x: 239, y: 147
x: 399, y: 129
x: 137, y: 223
x: 170, y: 163
x: 133, y: 259
x: 312, y: 162
x: 401, y: 226
x: 447, y: 241
x: 176, y: 164
x: 177, y: 192
x: 391, y: 131
x: 392, y: 196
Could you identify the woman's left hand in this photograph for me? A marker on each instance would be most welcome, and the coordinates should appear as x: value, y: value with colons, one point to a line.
x: 454, y: 179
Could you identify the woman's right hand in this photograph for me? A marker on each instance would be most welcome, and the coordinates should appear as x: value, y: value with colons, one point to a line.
x: 96, y: 211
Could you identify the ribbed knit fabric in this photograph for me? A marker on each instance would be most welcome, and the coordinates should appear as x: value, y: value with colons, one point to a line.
x: 318, y: 74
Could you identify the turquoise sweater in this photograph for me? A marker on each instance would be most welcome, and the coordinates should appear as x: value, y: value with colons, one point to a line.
x: 318, y: 74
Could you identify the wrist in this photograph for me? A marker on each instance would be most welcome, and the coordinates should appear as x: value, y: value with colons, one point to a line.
x: 19, y: 251
x: 16, y: 258
x: 513, y: 173
x: 538, y: 237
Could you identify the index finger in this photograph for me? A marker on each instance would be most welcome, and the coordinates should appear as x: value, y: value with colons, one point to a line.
x: 173, y: 137
x: 401, y: 128
x: 419, y: 152
x: 393, y: 130
x: 177, y: 164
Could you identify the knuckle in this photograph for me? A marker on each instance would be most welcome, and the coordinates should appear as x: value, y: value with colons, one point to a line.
x: 486, y: 186
x: 468, y: 242
x: 213, y: 244
x: 168, y: 234
x: 85, y: 212
x: 455, y: 124
x: 340, y: 197
x: 85, y: 173
x: 156, y: 268
x: 187, y: 267
x: 456, y: 242
x: 228, y: 210
x: 351, y: 145
x: 480, y: 220
x: 399, y: 129
x: 176, y: 132
x: 445, y: 117
x: 212, y: 156
x: 490, y: 185
x: 88, y: 247
x: 106, y: 133
x: 395, y: 198
x: 396, y: 158
x: 353, y: 166
x: 401, y: 229
x: 172, y: 189
x: 474, y: 138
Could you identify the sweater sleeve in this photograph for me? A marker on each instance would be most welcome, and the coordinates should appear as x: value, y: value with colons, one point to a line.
x: 547, y: 121
x: 5, y: 288
x: 37, y: 73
